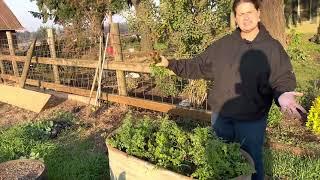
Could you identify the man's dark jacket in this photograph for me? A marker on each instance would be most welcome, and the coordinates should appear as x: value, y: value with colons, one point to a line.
x: 246, y: 75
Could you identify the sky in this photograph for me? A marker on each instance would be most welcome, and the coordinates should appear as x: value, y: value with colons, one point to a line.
x: 20, y: 9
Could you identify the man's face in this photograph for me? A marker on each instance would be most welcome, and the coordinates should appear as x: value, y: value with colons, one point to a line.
x: 247, y: 16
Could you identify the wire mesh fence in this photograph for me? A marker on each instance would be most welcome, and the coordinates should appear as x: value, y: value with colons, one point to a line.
x: 138, y: 85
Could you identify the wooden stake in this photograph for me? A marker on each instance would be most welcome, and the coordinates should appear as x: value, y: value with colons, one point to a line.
x: 97, y: 70
x: 12, y: 53
x: 27, y: 65
x: 2, y: 67
x: 98, y: 95
x: 116, y: 44
x: 51, y: 41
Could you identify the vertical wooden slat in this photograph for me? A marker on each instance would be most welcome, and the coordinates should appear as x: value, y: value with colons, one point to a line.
x: 51, y: 41
x: 12, y: 53
x: 116, y: 44
x: 27, y: 65
x: 2, y: 67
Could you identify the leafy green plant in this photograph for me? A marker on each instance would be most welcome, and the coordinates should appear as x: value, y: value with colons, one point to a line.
x: 199, y: 153
x: 294, y: 48
x: 165, y: 82
x: 30, y: 140
x: 170, y: 146
x: 214, y: 158
x: 313, y: 122
x: 275, y: 116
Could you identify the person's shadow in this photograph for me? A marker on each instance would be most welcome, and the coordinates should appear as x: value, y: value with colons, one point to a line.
x: 252, y: 92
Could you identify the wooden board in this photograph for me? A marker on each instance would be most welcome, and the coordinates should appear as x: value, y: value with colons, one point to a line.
x: 130, y: 65
x: 26, y: 99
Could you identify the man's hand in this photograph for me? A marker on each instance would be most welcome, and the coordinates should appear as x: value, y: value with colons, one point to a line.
x: 164, y: 62
x: 288, y: 104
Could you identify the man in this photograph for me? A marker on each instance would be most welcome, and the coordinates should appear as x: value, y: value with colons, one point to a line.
x: 249, y: 69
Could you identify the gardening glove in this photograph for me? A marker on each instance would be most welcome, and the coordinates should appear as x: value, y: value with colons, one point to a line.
x: 289, y: 104
x: 164, y: 62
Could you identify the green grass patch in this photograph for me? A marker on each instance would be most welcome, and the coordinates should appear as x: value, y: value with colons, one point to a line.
x: 287, y: 166
x: 305, y: 58
x: 306, y: 72
x: 75, y: 158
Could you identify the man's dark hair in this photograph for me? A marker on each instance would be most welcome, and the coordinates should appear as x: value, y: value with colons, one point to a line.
x: 256, y: 4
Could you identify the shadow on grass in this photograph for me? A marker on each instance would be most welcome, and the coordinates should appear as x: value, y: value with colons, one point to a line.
x: 268, y: 164
x: 76, y: 158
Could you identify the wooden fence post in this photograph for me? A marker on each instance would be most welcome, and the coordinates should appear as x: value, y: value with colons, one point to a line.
x: 51, y: 42
x: 116, y: 44
x: 2, y: 67
x: 12, y: 53
x: 26, y: 65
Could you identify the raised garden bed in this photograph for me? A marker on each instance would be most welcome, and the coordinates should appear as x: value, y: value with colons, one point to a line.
x: 124, y: 166
x: 158, y: 149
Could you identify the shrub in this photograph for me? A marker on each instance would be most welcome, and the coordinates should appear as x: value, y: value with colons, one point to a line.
x: 313, y: 122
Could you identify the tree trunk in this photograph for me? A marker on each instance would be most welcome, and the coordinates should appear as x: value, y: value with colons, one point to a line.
x: 272, y: 16
x: 146, y: 40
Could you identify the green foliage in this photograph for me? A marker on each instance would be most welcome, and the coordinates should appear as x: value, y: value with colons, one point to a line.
x: 214, y: 158
x: 29, y: 140
x: 132, y: 137
x: 294, y: 48
x: 70, y: 156
x: 170, y: 146
x: 164, y: 81
x: 23, y: 140
x: 190, y: 26
x: 68, y: 11
x: 160, y: 46
x: 275, y: 116
x: 80, y: 16
x: 313, y: 122
x: 199, y: 153
x: 144, y: 21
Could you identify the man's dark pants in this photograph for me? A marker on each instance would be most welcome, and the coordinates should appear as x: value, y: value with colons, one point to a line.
x: 249, y: 133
